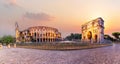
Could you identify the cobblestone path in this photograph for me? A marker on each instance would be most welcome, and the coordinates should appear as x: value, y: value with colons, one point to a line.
x: 104, y: 55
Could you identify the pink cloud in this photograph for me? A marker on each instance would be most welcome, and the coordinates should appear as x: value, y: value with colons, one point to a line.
x: 12, y: 2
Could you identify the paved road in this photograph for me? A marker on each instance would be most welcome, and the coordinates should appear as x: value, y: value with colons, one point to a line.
x: 105, y: 55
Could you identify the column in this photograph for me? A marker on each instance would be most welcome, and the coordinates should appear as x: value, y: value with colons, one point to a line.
x: 42, y: 38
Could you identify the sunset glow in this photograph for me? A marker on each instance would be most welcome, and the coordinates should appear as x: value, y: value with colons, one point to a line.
x: 66, y: 15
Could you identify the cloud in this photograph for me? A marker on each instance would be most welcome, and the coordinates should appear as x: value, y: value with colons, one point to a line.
x: 12, y: 2
x: 38, y: 16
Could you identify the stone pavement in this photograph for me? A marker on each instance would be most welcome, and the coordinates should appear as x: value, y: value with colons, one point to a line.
x: 104, y: 55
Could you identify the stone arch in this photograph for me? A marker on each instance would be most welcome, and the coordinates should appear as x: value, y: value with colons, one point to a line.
x: 96, y: 37
x: 89, y: 35
x: 93, y: 31
x: 35, y: 34
x: 83, y: 37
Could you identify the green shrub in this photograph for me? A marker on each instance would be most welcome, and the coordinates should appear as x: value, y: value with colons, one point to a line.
x: 7, y: 39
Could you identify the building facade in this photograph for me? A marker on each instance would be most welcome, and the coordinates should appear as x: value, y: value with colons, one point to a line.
x: 37, y: 34
x: 93, y: 31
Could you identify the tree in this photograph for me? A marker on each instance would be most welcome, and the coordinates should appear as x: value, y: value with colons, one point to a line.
x: 108, y: 37
x: 116, y: 35
x: 7, y: 39
x: 74, y: 36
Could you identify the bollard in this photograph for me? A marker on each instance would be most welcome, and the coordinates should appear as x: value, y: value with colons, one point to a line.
x: 8, y: 46
x: 0, y: 46
x: 14, y: 45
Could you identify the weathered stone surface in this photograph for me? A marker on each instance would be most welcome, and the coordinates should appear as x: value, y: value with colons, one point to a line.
x: 105, y: 55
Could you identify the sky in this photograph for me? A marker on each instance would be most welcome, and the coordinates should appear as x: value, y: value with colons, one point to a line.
x: 65, y: 15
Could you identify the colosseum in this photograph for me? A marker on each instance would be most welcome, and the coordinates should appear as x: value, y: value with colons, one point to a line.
x: 37, y: 34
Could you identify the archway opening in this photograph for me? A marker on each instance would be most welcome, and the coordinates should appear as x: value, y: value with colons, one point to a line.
x: 96, y: 37
x: 89, y: 35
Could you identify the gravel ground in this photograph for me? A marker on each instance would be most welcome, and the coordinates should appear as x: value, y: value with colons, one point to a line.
x: 104, y: 55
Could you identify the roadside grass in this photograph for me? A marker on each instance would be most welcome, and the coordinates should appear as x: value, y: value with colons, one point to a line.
x: 61, y: 46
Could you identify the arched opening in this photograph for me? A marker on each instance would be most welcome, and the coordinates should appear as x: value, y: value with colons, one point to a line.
x: 96, y: 38
x: 89, y: 35
x: 37, y: 39
x: 35, y: 34
x: 84, y: 37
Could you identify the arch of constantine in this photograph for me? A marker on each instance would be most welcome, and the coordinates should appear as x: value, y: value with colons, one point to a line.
x: 93, y: 31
